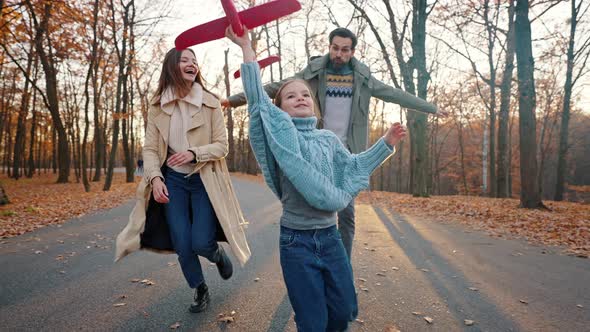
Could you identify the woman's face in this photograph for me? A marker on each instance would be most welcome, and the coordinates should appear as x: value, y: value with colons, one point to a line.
x: 296, y: 100
x: 188, y: 65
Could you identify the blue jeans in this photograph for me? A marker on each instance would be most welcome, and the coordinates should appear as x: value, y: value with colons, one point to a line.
x: 192, y: 224
x: 318, y: 277
x: 346, y: 227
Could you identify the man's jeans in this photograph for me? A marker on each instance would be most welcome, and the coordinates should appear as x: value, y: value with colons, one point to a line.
x: 346, y: 227
x: 319, y: 279
x: 192, y: 223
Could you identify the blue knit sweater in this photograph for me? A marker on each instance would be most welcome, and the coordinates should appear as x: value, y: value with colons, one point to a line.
x: 322, y: 170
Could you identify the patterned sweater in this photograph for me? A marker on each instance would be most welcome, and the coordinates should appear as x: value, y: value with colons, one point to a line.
x: 322, y: 170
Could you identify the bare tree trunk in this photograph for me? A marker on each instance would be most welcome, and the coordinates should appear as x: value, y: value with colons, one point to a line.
x: 230, y: 118
x: 419, y: 120
x: 19, y: 140
x: 47, y: 61
x: 99, y: 126
x: 503, y: 169
x: 3, y: 196
x: 31, y: 162
x: 121, y: 94
x: 279, y: 50
x: 530, y: 197
x: 491, y: 151
x: 54, y: 150
x: 400, y: 164
x: 125, y: 111
x: 89, y: 75
x: 565, y: 114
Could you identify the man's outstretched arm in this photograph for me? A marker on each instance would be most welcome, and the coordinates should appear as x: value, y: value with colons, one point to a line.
x: 404, y: 99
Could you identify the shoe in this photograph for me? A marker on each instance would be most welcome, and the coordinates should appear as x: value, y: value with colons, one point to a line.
x: 201, y: 298
x: 224, y: 265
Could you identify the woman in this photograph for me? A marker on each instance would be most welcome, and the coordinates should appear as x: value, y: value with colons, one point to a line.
x: 185, y: 201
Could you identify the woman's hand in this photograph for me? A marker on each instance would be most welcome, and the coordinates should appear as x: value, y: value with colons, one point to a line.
x: 394, y: 134
x: 160, y: 191
x: 180, y: 158
x: 243, y: 41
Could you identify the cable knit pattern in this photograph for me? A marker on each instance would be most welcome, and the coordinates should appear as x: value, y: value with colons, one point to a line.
x: 326, y: 174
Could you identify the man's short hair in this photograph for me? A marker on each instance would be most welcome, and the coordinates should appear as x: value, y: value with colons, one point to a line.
x: 344, y: 33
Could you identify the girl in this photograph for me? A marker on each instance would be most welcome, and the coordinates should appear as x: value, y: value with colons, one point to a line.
x: 186, y: 201
x: 314, y: 176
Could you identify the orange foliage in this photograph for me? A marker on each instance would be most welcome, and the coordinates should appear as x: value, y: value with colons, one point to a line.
x: 39, y: 201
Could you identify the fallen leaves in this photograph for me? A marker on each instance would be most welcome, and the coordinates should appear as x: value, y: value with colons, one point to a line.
x: 34, y: 202
x: 565, y: 224
x: 225, y: 318
x: 146, y: 282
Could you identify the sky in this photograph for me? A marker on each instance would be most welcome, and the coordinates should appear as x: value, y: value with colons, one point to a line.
x: 189, y: 13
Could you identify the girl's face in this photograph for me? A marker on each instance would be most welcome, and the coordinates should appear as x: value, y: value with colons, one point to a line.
x: 296, y: 100
x: 188, y: 65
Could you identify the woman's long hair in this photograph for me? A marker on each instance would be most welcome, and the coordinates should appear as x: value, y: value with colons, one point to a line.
x: 171, y: 77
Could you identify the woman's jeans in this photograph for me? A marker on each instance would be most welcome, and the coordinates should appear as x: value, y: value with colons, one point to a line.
x: 192, y: 223
x: 318, y: 276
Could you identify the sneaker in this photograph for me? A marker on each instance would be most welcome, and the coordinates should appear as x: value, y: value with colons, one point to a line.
x: 224, y: 265
x: 201, y: 298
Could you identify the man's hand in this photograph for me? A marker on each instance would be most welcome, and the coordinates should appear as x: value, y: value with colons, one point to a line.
x: 225, y: 103
x: 180, y: 158
x: 394, y: 134
x: 160, y: 191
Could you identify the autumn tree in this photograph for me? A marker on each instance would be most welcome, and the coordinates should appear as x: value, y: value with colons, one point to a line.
x: 44, y: 45
x: 121, y: 96
x: 575, y: 56
x: 530, y: 197
x: 503, y: 162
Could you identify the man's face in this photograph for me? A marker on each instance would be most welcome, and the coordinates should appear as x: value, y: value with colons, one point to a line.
x: 341, y: 51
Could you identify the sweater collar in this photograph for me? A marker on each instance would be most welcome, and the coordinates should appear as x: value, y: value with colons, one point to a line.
x: 194, y: 97
x: 308, y: 123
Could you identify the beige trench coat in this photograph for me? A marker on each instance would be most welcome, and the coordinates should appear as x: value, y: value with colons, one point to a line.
x: 207, y: 138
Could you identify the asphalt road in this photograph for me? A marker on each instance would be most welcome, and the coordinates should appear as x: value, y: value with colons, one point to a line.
x: 62, y: 278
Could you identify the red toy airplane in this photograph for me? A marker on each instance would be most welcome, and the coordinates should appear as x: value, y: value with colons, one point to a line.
x: 251, y: 18
x: 262, y: 63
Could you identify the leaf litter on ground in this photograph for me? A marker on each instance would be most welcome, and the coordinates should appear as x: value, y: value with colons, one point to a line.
x: 34, y: 205
x: 565, y: 224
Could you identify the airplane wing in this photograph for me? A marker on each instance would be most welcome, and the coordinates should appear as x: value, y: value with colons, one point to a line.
x: 251, y: 18
x: 262, y: 63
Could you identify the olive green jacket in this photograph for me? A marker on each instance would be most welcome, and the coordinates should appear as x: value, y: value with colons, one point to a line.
x: 365, y: 87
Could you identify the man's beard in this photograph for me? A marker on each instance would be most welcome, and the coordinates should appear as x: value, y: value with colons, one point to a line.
x: 338, y: 63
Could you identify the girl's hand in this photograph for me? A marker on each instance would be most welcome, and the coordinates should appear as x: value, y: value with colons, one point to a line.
x: 160, y: 191
x: 394, y: 134
x: 180, y: 158
x: 242, y: 41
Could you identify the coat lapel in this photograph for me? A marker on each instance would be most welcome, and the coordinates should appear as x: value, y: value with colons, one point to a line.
x: 198, y: 119
x: 162, y: 121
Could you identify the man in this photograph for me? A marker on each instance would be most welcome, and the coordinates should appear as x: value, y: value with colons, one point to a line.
x: 344, y: 87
